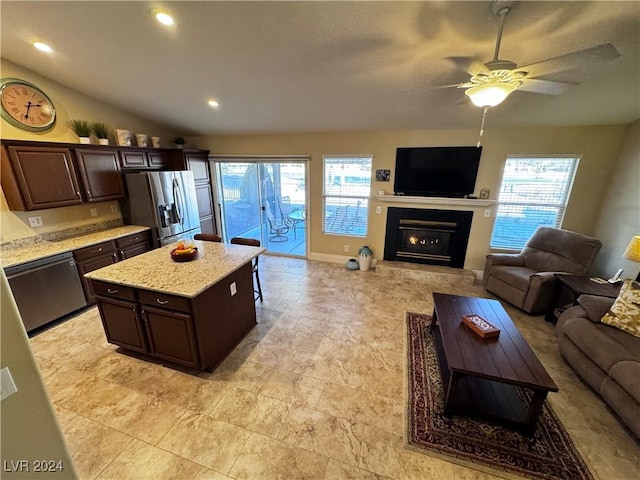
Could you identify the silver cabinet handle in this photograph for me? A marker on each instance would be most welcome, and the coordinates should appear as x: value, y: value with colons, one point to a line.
x: 162, y: 302
x: 114, y: 255
x: 78, y: 194
x: 112, y: 291
x: 97, y: 251
x: 123, y: 254
x: 88, y: 194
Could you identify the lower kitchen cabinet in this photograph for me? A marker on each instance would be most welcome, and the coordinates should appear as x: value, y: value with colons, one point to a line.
x: 122, y: 324
x: 170, y: 335
x: 107, y: 253
x: 198, y: 332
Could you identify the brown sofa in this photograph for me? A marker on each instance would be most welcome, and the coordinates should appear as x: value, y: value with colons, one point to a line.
x: 526, y: 279
x: 605, y: 357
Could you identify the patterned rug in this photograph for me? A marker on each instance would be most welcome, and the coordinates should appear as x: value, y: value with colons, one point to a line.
x: 550, y: 454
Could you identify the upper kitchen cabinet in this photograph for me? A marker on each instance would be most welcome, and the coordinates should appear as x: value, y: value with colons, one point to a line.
x: 100, y: 174
x: 34, y: 178
x: 39, y: 175
x: 143, y: 159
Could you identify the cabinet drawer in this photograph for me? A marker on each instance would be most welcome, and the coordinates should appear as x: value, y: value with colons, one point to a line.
x: 163, y: 300
x: 132, y: 239
x: 112, y: 290
x: 104, y: 248
x: 157, y: 159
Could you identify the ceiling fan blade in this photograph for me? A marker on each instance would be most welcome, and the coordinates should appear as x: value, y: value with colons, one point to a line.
x: 471, y: 65
x: 544, y: 86
x: 572, y: 60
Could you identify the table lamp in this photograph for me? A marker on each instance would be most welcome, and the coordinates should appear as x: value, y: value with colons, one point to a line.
x: 633, y: 252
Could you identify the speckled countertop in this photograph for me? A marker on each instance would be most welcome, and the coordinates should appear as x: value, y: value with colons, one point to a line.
x: 156, y: 271
x: 15, y: 256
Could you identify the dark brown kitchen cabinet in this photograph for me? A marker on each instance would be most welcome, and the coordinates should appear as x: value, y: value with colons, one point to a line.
x: 100, y: 174
x: 170, y: 335
x: 107, y: 253
x: 122, y: 323
x: 133, y: 245
x: 198, y: 163
x: 34, y: 178
x: 158, y: 324
x: 143, y: 159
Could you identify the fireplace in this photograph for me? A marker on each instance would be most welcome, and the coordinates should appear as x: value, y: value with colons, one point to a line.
x: 435, y: 237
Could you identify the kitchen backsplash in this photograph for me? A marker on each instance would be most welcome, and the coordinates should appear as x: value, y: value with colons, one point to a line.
x: 61, y: 234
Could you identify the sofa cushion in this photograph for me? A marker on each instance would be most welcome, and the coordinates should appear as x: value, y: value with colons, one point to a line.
x: 604, y: 345
x: 625, y: 311
x: 517, y: 277
x: 595, y: 306
x: 627, y: 374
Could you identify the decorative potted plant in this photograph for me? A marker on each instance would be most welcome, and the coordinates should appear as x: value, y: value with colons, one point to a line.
x: 179, y: 141
x: 365, y: 254
x: 81, y: 128
x: 101, y: 131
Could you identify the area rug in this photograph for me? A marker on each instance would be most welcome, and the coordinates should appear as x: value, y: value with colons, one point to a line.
x: 550, y: 454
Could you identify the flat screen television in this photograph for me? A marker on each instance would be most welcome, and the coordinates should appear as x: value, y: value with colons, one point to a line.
x: 436, y: 171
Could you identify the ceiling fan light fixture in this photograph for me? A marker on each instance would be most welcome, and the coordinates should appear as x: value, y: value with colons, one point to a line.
x: 490, y: 94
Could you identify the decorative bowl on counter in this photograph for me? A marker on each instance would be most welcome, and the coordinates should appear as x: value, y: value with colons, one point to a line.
x: 184, y: 255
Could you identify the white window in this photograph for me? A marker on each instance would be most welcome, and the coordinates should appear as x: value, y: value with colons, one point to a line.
x: 345, y: 194
x: 534, y: 192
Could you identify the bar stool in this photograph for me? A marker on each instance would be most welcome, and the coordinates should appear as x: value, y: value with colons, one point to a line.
x: 251, y: 242
x: 208, y: 237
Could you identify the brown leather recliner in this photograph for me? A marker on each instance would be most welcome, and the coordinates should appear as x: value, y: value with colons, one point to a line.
x: 526, y: 279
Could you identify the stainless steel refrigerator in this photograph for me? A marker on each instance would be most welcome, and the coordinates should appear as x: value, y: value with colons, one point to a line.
x: 164, y: 201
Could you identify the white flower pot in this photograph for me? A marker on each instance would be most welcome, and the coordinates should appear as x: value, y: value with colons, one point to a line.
x: 85, y: 140
x: 364, y: 262
x: 103, y: 141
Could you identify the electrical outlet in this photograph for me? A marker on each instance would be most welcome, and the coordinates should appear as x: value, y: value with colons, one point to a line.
x: 114, y: 209
x: 35, y: 221
x: 487, y: 212
x: 346, y: 248
x: 378, y: 209
x: 94, y: 212
x: 233, y: 289
x: 7, y: 385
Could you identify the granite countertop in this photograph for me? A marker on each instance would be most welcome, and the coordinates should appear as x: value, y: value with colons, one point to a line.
x: 156, y: 271
x: 15, y: 256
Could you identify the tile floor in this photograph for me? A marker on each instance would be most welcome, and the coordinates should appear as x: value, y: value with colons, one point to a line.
x: 314, y: 392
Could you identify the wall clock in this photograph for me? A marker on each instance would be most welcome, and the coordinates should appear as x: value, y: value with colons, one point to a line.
x: 25, y: 106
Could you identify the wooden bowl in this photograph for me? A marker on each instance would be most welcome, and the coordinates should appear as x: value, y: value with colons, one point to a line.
x: 184, y: 257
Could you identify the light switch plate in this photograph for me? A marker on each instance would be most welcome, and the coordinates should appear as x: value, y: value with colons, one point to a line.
x: 94, y: 212
x: 7, y: 385
x: 114, y: 209
x: 233, y: 289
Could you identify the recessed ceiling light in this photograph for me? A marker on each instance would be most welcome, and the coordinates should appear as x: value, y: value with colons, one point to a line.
x: 43, y: 47
x: 163, y: 17
x: 213, y: 104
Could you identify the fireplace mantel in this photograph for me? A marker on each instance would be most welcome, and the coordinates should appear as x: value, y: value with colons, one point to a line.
x: 456, y: 202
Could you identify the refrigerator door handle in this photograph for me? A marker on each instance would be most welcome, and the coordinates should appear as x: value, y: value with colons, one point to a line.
x: 177, y: 196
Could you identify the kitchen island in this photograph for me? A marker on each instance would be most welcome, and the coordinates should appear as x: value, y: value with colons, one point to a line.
x: 192, y: 313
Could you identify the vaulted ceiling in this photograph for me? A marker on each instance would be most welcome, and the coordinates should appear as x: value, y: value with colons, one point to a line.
x: 326, y: 66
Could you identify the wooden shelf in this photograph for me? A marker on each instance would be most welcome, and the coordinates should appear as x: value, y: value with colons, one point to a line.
x: 461, y: 202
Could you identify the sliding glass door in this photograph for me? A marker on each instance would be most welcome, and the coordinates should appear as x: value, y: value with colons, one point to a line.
x: 265, y: 200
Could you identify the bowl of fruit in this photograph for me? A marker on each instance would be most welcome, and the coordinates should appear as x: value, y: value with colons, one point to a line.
x: 184, y: 252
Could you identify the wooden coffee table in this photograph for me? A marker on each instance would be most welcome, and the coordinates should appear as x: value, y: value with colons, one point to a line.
x: 481, y: 376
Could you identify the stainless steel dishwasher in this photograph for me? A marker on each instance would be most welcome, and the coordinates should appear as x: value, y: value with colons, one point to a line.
x: 46, y: 289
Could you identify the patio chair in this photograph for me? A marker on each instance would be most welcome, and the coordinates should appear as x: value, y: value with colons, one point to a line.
x: 338, y: 219
x: 251, y: 242
x: 277, y: 226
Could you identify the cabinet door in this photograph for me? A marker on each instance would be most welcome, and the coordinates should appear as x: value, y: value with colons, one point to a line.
x: 157, y: 159
x: 46, y: 177
x: 171, y: 335
x: 100, y: 174
x: 133, y: 159
x: 205, y: 208
x: 133, y: 250
x: 198, y: 163
x: 122, y: 324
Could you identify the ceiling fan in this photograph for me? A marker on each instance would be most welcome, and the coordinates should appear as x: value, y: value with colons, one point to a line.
x: 493, y: 81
